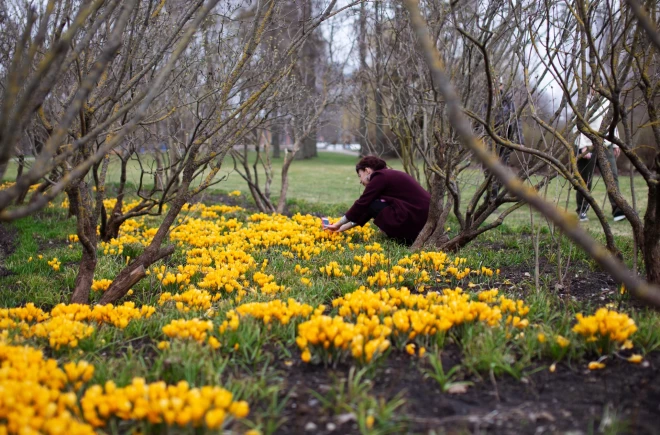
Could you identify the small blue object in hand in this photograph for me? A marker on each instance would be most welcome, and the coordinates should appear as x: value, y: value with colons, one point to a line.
x: 325, y: 221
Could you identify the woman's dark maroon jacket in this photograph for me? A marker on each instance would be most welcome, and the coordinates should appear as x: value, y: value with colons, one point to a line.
x: 408, y: 204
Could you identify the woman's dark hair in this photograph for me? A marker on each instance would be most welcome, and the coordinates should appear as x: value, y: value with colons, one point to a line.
x: 372, y: 162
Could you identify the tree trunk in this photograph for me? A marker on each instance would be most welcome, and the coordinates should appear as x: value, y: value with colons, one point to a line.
x: 461, y: 240
x: 281, y: 201
x: 275, y: 140
x: 379, y: 145
x: 136, y: 270
x: 652, y: 259
x: 85, y: 278
x: 310, y: 56
x: 263, y: 204
x: 158, y: 176
x: 309, y: 146
x: 651, y: 245
x: 80, y: 196
x: 173, y: 159
x: 433, y: 231
x: 362, y: 132
x: 112, y: 227
x: 19, y: 174
x: 74, y: 200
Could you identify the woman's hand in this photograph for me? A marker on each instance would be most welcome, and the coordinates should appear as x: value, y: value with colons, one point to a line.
x: 333, y: 227
x: 342, y: 224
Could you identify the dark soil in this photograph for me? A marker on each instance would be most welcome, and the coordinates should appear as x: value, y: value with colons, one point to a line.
x: 4, y: 271
x: 7, y: 240
x: 572, y: 399
x: 49, y: 244
x: 581, y: 283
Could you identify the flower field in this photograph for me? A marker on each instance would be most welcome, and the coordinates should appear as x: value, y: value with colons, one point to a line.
x: 268, y: 324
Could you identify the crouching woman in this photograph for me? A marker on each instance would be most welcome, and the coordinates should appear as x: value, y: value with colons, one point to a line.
x: 395, y: 201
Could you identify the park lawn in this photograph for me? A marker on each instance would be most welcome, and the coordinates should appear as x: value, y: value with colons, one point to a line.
x: 252, y: 321
x: 330, y: 179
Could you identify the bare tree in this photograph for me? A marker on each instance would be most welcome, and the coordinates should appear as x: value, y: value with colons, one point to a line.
x: 85, y: 83
x: 607, y: 50
x: 89, y: 84
x: 236, y: 106
x: 606, y: 260
x: 413, y: 112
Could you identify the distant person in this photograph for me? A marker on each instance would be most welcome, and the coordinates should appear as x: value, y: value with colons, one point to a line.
x: 587, y: 161
x: 507, y: 125
x: 397, y: 203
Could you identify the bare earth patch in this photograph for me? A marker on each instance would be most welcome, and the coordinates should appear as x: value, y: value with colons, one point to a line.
x: 570, y: 399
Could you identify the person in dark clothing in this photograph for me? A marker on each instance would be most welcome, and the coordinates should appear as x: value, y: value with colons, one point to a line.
x: 507, y: 125
x: 397, y: 203
x: 588, y: 160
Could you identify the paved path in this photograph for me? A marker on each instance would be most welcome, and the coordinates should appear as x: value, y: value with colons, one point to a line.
x: 338, y: 149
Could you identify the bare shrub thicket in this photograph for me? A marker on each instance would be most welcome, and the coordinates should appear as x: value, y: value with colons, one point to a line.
x: 477, y: 44
x: 107, y: 78
x: 85, y: 76
x: 177, y: 86
x: 608, y: 60
x: 608, y: 82
x: 591, y: 53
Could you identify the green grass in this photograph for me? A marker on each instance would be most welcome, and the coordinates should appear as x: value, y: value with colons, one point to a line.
x: 34, y: 280
x: 329, y: 184
x: 329, y: 179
